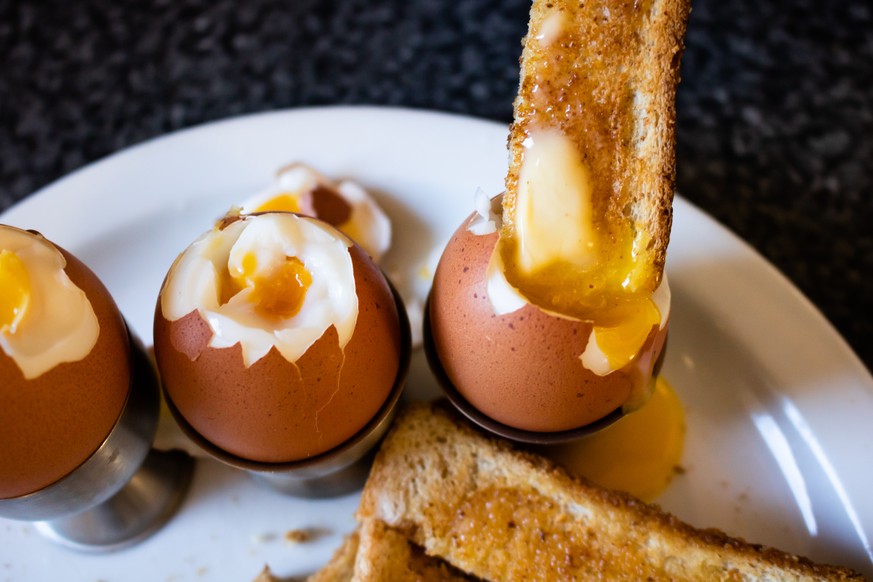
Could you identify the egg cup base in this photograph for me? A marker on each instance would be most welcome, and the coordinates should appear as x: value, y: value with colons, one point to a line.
x: 140, y: 508
x: 125, y: 490
x: 334, y: 483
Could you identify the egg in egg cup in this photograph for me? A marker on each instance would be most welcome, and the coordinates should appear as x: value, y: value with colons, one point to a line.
x: 523, y: 372
x: 80, y: 406
x: 282, y: 350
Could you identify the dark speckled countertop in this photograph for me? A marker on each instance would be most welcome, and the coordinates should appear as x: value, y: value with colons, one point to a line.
x: 775, y: 128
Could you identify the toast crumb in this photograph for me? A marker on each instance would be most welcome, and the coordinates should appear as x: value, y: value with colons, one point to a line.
x: 297, y: 536
x: 304, y: 535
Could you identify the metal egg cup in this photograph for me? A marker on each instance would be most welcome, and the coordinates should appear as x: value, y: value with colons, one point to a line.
x: 509, y: 432
x: 125, y: 490
x: 338, y: 471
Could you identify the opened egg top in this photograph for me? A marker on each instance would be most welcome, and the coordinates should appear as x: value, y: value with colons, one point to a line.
x: 64, y: 362
x: 276, y: 337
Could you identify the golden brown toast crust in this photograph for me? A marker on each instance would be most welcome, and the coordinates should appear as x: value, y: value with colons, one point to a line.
x: 378, y: 553
x: 502, y: 514
x: 385, y: 554
x: 604, y: 73
x: 341, y: 567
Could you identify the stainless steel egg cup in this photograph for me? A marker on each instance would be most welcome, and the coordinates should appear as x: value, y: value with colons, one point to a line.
x: 504, y: 430
x: 338, y: 471
x: 125, y: 490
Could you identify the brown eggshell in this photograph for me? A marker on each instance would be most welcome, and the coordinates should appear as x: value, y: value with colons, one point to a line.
x: 522, y: 369
x: 51, y: 424
x: 277, y: 411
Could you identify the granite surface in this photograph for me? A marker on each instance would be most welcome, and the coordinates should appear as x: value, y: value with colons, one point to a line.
x: 775, y: 128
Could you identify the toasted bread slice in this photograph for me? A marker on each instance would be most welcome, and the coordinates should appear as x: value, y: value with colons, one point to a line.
x: 503, y: 514
x: 341, y: 567
x: 603, y: 74
x: 377, y: 553
x: 385, y: 554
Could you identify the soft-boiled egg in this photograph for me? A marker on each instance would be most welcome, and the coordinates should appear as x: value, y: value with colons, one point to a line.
x: 345, y: 205
x: 64, y: 362
x: 533, y: 368
x: 276, y: 337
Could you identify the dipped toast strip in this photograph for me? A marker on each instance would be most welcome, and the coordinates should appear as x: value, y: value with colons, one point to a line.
x: 603, y: 74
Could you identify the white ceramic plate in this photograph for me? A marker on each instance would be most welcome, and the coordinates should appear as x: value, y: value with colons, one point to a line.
x: 779, y: 409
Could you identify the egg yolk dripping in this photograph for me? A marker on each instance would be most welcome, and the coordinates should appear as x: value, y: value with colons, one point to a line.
x: 566, y: 258
x: 276, y: 293
x: 639, y: 454
x: 14, y: 290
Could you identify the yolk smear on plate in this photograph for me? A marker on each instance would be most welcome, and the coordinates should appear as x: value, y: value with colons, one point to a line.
x: 639, y: 454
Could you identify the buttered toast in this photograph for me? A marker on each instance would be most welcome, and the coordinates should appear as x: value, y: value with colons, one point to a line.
x: 377, y: 553
x: 502, y: 514
x: 595, y: 116
x: 385, y: 554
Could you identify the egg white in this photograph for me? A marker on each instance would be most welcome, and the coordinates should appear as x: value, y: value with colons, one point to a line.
x: 368, y: 225
x: 596, y: 360
x: 193, y: 284
x: 58, y: 324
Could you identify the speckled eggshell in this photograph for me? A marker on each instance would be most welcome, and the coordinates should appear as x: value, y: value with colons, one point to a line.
x: 51, y: 424
x: 276, y: 411
x: 523, y: 368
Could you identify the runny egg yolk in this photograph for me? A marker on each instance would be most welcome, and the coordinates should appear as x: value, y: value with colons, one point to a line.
x: 277, y: 293
x: 568, y: 257
x: 14, y: 290
x: 622, y: 319
x: 621, y: 342
x: 639, y: 454
x: 284, y: 202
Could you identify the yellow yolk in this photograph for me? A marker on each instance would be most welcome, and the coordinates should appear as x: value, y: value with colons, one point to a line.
x: 621, y: 342
x: 14, y: 290
x: 276, y: 294
x: 639, y: 454
x: 594, y: 291
x: 562, y: 253
x: 284, y: 202
x: 281, y: 293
